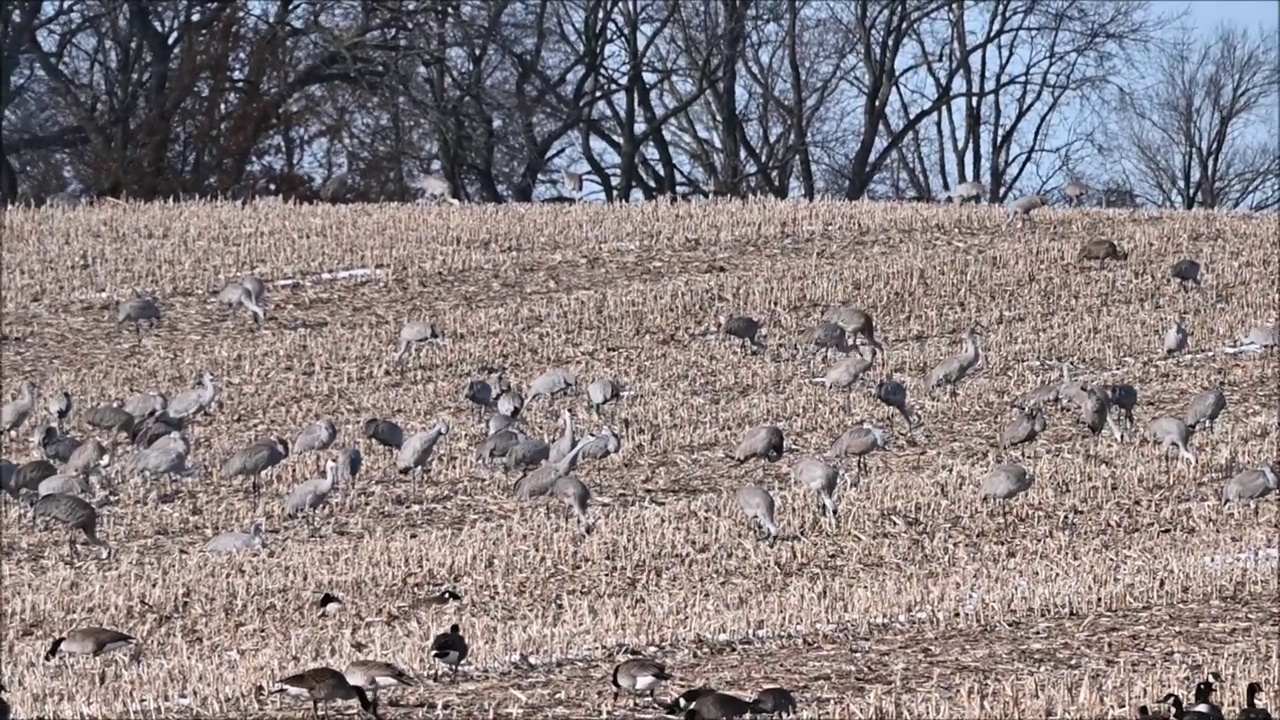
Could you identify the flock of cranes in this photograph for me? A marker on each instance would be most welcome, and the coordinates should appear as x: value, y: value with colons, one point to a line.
x: 56, y: 483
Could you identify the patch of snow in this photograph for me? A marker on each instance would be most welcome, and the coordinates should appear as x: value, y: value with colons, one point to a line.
x: 352, y: 274
x: 1252, y: 559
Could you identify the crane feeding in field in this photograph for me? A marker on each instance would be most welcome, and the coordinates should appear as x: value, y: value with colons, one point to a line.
x: 255, y: 459
x: 189, y: 404
x: 1175, y: 338
x: 602, y: 445
x: 75, y: 513
x: 416, y: 332
x: 759, y: 507
x: 60, y: 408
x: 1006, y: 482
x: 235, y: 541
x: 1024, y: 428
x: 417, y: 449
x: 146, y: 404
x: 15, y: 412
x: 894, y: 394
x: 1251, y: 484
x: 1075, y: 192
x: 564, y: 444
x: 540, y: 482
x: 1168, y: 432
x: 952, y: 370
x: 1205, y: 409
x: 603, y: 391
x: 528, y: 453
x: 859, y: 442
x: 111, y: 418
x: 54, y: 446
x: 310, y: 495
x: 1124, y: 398
x: 384, y: 432
x: 91, y: 455
x: 1095, y: 411
x: 552, y: 383
x: 65, y: 484
x: 765, y: 442
x: 967, y: 191
x: 847, y: 371
x: 1022, y: 208
x: 137, y: 311
x: 857, y: 323
x: 315, y: 436
x: 747, y: 330
x: 576, y: 496
x: 29, y: 475
x: 498, y: 445
x: 235, y: 296
x: 819, y: 478
x: 1101, y: 251
x: 349, y: 463
x: 1186, y: 272
x: 827, y: 336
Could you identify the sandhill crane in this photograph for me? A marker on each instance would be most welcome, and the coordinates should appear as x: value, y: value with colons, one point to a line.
x: 572, y: 181
x: 234, y: 541
x: 1124, y: 397
x: 758, y: 505
x: 845, y: 373
x: 15, y: 412
x: 417, y: 449
x: 564, y: 444
x: 323, y: 685
x: 603, y: 391
x: 173, y: 441
x: 527, y: 454
x: 499, y: 422
x: 383, y: 432
x: 64, y: 484
x: 827, y: 336
x: 746, y: 329
x: 434, y: 188
x: 539, y: 482
x: 1186, y: 272
x: 1039, y: 397
x: 167, y: 461
x: 144, y: 404
x: 638, y: 676
x: 498, y: 445
x: 1256, y: 340
x: 7, y: 470
x: 965, y: 191
x: 60, y: 408
x: 137, y: 311
x: 484, y: 393
x: 553, y: 382
x: 315, y: 436
x: 349, y: 463
x: 951, y: 371
x: 576, y: 496
x: 150, y: 429
x: 310, y: 495
x: 1022, y: 208
x: 1101, y: 251
x: 76, y: 513
x: 1024, y: 428
x: 1250, y: 484
x: 1075, y: 192
x: 1170, y: 432
x: 1175, y: 338
x: 29, y: 475
x: 764, y: 441
x: 1095, y: 413
x: 1006, y: 482
x: 54, y: 446
x: 416, y: 332
x: 894, y: 394
x: 602, y: 445
x: 335, y: 190
x: 1205, y: 409
x: 89, y: 456
x: 111, y: 418
x: 257, y: 290
x: 819, y: 478
x: 255, y: 459
x: 235, y: 296
x: 510, y: 403
x: 856, y: 323
x: 859, y: 442
x: 189, y: 404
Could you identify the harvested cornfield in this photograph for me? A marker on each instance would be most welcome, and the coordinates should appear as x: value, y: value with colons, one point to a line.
x: 1117, y: 578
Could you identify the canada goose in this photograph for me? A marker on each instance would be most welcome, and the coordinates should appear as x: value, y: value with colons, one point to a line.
x: 1205, y: 408
x: 1175, y: 338
x: 764, y: 441
x: 759, y: 507
x: 1024, y: 428
x: 190, y: 403
x: 638, y: 676
x: 1186, y: 272
x: 540, y: 482
x: 857, y: 323
x: 1251, y: 484
x: 451, y: 649
x: 952, y: 370
x: 60, y: 408
x: 552, y: 383
x: 1204, y: 691
x: 76, y: 513
x: 965, y: 191
x: 576, y: 496
x: 137, y: 311
x: 237, y: 541
x: 444, y: 597
x: 1101, y: 250
x: 718, y: 706
x: 1251, y: 711
x: 383, y: 432
x: 1168, y: 432
x: 416, y: 332
x: 255, y: 459
x: 315, y: 436
x: 685, y: 700
x: 859, y: 442
x: 329, y: 603
x: 746, y: 329
x: 1124, y: 397
x: 323, y: 685
x: 235, y: 296
x: 92, y: 641
x: 774, y: 701
x: 310, y: 495
x: 1022, y: 208
x: 15, y: 412
x: 1179, y: 712
x: 372, y: 676
x: 819, y: 478
x: 894, y: 394
x: 417, y: 449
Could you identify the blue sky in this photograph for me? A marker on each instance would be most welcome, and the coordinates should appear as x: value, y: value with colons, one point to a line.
x: 1208, y: 13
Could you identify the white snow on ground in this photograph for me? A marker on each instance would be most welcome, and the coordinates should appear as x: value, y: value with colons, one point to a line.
x: 1257, y: 559
x: 352, y: 274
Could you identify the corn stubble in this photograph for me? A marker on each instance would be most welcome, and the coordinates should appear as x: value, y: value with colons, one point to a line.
x: 1091, y: 597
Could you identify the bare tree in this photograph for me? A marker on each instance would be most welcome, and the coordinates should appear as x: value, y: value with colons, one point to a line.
x: 1202, y: 134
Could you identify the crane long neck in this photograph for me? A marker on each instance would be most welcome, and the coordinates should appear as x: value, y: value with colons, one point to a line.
x: 571, y: 459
